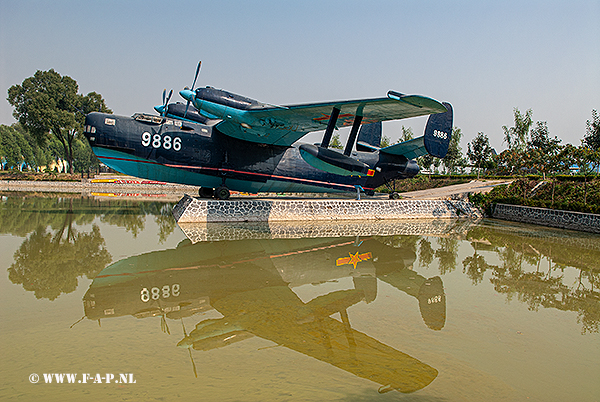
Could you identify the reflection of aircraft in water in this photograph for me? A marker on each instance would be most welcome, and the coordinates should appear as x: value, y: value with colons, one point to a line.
x: 250, y: 283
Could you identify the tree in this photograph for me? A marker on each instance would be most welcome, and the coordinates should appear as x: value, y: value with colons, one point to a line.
x: 335, y: 142
x: 592, y: 135
x: 18, y: 148
x: 583, y: 157
x: 542, y: 151
x: 454, y: 156
x: 407, y: 134
x: 385, y: 142
x: 516, y: 137
x: 479, y: 151
x: 426, y: 161
x: 49, y: 264
x: 47, y: 104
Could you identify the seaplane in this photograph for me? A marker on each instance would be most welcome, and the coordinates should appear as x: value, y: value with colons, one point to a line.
x: 223, y: 142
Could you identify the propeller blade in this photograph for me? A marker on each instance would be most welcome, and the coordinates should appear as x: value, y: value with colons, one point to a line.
x: 193, y: 363
x: 163, y: 325
x: 189, y: 349
x: 196, y: 76
x: 186, y: 109
x: 192, y: 89
x: 166, y: 101
x: 183, y: 326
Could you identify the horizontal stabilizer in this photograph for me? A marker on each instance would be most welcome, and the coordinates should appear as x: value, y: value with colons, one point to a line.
x: 364, y: 147
x: 435, y: 141
x: 411, y: 149
x: 333, y: 162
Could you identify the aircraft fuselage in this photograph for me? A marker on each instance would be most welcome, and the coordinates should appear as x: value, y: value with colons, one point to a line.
x: 186, y: 152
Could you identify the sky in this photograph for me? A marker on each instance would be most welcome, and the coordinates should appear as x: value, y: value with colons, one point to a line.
x: 484, y: 57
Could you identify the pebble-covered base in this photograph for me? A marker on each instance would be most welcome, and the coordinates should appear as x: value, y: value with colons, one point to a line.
x: 191, y: 209
x: 549, y: 217
x: 197, y: 232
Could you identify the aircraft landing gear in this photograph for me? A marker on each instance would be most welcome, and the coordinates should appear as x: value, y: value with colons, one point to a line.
x: 206, y: 192
x: 394, y: 196
x: 222, y: 193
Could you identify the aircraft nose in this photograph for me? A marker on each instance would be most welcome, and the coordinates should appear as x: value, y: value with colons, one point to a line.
x: 187, y: 94
x: 93, y: 123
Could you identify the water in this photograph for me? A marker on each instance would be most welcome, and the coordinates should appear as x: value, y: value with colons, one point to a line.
x: 460, y: 311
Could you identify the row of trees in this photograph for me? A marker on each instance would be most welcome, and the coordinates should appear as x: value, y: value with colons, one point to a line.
x: 51, y: 117
x: 530, y: 150
x: 19, y: 150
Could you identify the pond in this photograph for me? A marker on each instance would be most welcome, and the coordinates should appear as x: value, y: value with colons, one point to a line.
x: 108, y: 299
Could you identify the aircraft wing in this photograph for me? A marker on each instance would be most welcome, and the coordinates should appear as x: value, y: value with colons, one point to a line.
x: 284, y: 125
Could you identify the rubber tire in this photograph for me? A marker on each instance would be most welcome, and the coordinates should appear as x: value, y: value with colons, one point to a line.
x: 206, y: 192
x: 222, y: 193
x: 394, y: 196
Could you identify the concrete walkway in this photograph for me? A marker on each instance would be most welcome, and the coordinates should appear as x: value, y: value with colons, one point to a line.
x: 133, y: 187
x: 455, y: 192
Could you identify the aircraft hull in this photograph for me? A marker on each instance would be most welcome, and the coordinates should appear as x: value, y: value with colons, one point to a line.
x: 197, y: 154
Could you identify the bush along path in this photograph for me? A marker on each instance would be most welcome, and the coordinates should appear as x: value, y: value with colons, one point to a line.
x: 568, y: 193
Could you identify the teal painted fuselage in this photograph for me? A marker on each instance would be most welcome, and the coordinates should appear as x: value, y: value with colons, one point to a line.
x: 186, y: 152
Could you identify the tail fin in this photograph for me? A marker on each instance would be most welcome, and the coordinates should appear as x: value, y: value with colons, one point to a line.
x: 438, y: 132
x: 369, y: 134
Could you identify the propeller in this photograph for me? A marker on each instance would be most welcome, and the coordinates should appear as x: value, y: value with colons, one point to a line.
x: 193, y: 85
x: 163, y: 325
x: 190, y: 348
x: 166, y: 101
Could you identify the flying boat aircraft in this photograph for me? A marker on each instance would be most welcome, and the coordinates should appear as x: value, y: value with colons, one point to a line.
x: 221, y: 141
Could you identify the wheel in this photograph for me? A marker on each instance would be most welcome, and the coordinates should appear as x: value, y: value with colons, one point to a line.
x: 222, y: 193
x: 206, y: 192
x: 394, y: 196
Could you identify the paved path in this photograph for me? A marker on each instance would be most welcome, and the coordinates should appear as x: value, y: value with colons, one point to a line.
x: 128, y: 187
x: 456, y: 191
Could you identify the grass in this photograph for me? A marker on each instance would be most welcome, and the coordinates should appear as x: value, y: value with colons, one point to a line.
x: 32, y: 176
x: 569, y: 195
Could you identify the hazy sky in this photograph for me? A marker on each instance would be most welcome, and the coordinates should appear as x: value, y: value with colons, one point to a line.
x: 484, y: 57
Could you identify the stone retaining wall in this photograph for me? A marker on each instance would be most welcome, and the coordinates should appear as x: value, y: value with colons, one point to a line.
x: 87, y: 188
x: 548, y: 217
x: 198, y: 232
x: 191, y: 209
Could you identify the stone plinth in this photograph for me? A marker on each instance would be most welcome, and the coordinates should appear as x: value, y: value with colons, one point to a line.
x: 191, y: 209
x: 198, y: 232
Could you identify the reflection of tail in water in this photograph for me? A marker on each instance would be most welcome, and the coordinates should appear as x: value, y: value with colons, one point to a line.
x: 432, y: 303
x: 429, y: 293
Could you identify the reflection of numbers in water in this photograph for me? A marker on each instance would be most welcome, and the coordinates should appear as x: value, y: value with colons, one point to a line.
x: 434, y: 299
x: 156, y: 293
